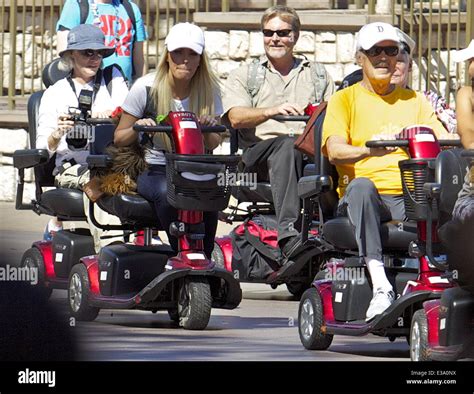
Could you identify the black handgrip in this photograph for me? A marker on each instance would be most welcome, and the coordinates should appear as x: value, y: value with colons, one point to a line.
x: 469, y: 153
x: 97, y: 121
x: 404, y: 143
x: 387, y: 144
x: 450, y: 142
x: 291, y: 118
x: 167, y: 129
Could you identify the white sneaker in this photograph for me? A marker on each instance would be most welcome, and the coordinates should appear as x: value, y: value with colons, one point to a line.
x: 380, y: 302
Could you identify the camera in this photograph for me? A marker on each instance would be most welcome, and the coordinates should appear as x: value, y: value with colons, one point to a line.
x: 78, y: 137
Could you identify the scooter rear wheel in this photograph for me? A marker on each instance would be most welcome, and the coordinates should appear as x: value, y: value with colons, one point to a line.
x: 33, y: 259
x: 194, y: 303
x: 311, y: 320
x: 78, y: 294
x: 419, y: 337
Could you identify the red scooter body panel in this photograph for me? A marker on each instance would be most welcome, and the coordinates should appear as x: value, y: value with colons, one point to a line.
x: 324, y: 289
x: 46, y: 250
x: 186, y: 134
x: 432, y: 315
x: 92, y: 266
x: 422, y: 143
x: 225, y: 244
x: 190, y: 260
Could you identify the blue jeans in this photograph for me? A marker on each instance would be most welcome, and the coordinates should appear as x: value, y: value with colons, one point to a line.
x: 151, y: 184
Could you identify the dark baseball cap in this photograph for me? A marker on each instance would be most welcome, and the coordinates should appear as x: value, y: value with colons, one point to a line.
x: 87, y: 37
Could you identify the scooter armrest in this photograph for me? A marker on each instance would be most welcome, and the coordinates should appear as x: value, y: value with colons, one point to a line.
x: 99, y: 161
x: 432, y: 190
x: 26, y: 158
x: 311, y: 186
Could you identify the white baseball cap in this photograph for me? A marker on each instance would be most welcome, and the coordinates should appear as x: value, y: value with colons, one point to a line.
x: 406, y: 39
x: 185, y: 35
x: 464, y: 54
x: 375, y: 32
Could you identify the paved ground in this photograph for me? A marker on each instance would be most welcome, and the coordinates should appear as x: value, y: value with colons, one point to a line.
x: 263, y: 327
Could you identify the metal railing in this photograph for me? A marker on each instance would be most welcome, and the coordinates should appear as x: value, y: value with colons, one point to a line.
x: 437, y: 26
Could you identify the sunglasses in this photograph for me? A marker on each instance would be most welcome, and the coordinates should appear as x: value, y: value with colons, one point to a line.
x: 280, y: 33
x: 92, y: 52
x: 376, y: 51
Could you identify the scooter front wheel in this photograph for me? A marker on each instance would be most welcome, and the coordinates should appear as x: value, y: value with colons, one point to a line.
x: 194, y: 303
x: 33, y: 259
x: 311, y: 321
x: 419, y: 337
x: 78, y: 294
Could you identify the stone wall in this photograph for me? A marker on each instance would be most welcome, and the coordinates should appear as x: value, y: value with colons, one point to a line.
x: 335, y: 49
x: 11, y: 140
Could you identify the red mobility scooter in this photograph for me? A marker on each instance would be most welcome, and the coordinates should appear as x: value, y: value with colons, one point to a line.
x: 151, y: 277
x: 414, y: 258
x: 444, y: 328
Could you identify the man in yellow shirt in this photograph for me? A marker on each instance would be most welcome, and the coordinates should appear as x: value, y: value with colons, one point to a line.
x: 369, y: 186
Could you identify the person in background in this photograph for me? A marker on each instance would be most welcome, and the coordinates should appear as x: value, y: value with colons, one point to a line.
x: 445, y: 114
x: 464, y: 208
x: 120, y: 21
x: 184, y: 81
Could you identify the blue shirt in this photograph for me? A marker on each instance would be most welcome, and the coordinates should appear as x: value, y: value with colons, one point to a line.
x: 114, y: 23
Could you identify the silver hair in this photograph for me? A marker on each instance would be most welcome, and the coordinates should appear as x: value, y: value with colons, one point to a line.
x: 66, y: 63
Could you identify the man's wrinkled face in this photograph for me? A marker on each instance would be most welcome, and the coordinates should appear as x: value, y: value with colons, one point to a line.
x: 282, y: 39
x: 378, y: 62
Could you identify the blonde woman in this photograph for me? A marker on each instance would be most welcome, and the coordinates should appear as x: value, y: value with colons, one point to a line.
x: 183, y: 82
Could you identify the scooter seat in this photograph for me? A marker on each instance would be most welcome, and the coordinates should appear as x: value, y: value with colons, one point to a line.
x: 131, y: 209
x: 395, y: 234
x: 64, y: 203
x: 262, y: 192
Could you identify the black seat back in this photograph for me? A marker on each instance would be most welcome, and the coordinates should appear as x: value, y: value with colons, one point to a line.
x: 450, y: 173
x: 328, y: 201
x: 43, y: 173
x: 51, y: 73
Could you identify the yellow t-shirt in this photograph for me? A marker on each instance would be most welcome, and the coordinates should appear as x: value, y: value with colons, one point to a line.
x: 357, y: 114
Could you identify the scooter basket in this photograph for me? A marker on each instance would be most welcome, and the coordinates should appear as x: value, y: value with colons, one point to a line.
x: 415, y: 173
x: 200, y: 182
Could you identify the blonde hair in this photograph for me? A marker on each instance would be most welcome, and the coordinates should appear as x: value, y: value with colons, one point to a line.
x: 286, y: 14
x: 203, y: 87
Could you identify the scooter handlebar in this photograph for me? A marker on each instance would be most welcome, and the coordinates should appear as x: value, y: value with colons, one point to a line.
x: 291, y: 118
x: 167, y: 129
x: 97, y: 121
x: 469, y: 153
x: 387, y: 144
x: 404, y: 143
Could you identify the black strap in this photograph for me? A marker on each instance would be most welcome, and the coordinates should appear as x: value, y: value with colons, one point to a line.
x: 261, y: 248
x: 128, y: 7
x: 84, y: 10
x: 95, y: 88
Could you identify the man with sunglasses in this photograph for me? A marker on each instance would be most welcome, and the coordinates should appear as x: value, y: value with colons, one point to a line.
x: 369, y: 186
x: 278, y: 84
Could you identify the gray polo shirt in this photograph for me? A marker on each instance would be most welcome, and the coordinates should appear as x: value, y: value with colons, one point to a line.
x: 297, y: 88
